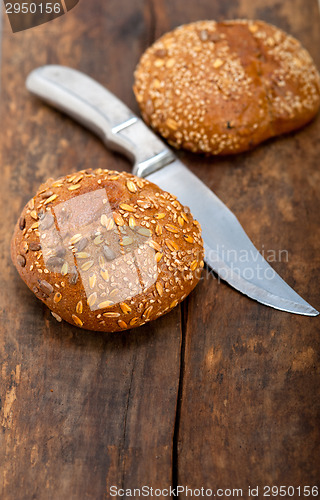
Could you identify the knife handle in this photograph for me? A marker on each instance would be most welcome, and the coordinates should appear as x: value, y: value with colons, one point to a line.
x: 94, y: 106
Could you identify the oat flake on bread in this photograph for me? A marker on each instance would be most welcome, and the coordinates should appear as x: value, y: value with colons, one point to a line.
x: 106, y: 250
x: 224, y: 87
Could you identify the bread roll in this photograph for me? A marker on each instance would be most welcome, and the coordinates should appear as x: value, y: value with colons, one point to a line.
x: 106, y: 250
x: 222, y: 88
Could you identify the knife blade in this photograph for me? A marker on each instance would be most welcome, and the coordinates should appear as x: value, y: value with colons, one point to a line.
x: 228, y: 250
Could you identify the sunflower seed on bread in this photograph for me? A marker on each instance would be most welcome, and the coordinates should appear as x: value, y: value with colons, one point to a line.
x: 102, y: 276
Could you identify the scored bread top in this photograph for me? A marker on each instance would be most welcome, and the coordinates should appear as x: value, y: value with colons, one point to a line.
x: 222, y: 88
x: 106, y: 250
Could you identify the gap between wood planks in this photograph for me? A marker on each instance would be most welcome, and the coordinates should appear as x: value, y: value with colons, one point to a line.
x: 122, y: 459
x: 175, y: 441
x: 183, y: 307
x: 152, y: 22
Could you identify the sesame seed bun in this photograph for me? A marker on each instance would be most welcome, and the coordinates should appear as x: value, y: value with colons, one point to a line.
x: 106, y: 250
x: 222, y: 88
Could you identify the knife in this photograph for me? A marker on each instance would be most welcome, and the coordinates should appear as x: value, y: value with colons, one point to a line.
x: 228, y: 250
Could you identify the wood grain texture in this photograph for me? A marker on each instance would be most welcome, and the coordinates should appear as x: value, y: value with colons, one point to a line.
x: 251, y: 374
x: 80, y: 410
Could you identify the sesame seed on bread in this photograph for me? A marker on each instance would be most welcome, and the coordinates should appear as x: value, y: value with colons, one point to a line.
x: 224, y: 87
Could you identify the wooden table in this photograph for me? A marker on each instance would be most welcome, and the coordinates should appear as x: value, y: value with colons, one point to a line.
x: 220, y: 393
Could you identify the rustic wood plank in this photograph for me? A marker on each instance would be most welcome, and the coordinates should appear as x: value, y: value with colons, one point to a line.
x: 249, y: 411
x: 80, y: 410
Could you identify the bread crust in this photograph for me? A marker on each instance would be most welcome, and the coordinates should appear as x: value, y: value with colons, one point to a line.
x: 222, y: 88
x: 106, y: 250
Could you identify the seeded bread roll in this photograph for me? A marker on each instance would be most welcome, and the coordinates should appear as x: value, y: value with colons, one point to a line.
x: 106, y: 250
x: 222, y: 88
